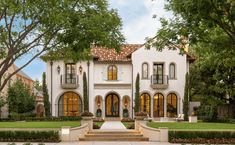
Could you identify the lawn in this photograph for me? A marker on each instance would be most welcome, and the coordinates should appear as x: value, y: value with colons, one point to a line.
x: 39, y: 124
x: 193, y: 126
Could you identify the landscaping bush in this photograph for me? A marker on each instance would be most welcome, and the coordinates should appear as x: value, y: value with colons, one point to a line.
x: 65, y: 118
x: 202, y: 137
x: 29, y: 136
x: 127, y: 120
x: 96, y: 126
x: 131, y: 126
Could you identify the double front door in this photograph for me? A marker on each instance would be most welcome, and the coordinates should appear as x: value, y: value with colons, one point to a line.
x: 112, y: 105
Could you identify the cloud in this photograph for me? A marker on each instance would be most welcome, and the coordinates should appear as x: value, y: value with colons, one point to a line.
x: 137, y: 16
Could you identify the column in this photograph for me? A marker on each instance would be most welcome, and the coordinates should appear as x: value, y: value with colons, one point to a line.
x: 165, y: 106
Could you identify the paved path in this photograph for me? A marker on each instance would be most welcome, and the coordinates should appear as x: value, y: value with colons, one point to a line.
x: 100, y: 143
x: 111, y: 125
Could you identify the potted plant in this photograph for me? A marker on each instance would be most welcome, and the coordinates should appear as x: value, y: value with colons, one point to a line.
x: 98, y: 112
x: 125, y: 113
x: 140, y: 115
x: 87, y: 115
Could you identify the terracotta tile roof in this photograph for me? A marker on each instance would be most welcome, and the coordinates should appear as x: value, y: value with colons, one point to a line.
x: 106, y: 54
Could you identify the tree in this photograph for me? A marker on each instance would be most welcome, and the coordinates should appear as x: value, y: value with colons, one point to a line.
x: 20, y: 99
x: 85, y: 91
x: 186, y: 98
x: 2, y: 103
x: 137, y: 93
x: 38, y: 26
x: 209, y: 27
x: 37, y: 85
x: 195, y: 20
x: 45, y: 96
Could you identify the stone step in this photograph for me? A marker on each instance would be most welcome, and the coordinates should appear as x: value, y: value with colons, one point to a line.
x: 113, y: 135
x: 114, y: 132
x: 114, y: 139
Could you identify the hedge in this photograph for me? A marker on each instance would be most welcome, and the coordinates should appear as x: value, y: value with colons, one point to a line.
x: 29, y: 136
x: 77, y: 118
x: 202, y: 137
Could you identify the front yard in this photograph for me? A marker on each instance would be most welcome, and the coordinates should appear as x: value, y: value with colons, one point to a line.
x: 201, y: 126
x: 39, y: 124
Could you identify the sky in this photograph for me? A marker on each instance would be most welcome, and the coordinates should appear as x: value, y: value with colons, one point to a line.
x: 138, y: 23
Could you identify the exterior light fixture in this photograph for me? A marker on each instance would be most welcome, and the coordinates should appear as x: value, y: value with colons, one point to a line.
x: 80, y: 69
x: 58, y: 69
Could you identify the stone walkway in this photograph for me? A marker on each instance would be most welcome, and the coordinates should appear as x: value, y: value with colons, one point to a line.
x: 111, y: 125
x: 99, y: 143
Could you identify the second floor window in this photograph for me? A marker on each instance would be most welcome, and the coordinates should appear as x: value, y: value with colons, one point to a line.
x: 145, y: 68
x: 70, y: 73
x: 172, y: 71
x: 112, y: 72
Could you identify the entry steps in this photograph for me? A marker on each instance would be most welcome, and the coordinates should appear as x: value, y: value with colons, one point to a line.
x: 114, y: 135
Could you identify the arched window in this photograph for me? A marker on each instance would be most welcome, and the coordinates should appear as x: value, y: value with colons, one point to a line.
x: 145, y: 103
x: 172, y: 105
x: 70, y: 104
x: 158, y: 105
x: 172, y: 71
x: 112, y: 72
x: 145, y: 68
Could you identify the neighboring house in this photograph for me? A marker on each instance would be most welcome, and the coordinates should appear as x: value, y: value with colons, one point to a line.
x: 18, y: 76
x: 111, y: 82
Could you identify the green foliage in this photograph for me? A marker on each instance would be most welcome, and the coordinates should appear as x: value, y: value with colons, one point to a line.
x: 32, y: 136
x: 186, y: 98
x: 45, y: 96
x: 207, y: 113
x: 37, y: 85
x: 19, y: 99
x: 85, y: 93
x: 207, y: 135
x: 71, y: 26
x: 2, y: 102
x: 31, y: 117
x: 137, y: 93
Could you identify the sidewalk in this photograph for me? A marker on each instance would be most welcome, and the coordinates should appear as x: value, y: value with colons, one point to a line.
x: 99, y: 143
x: 113, y: 125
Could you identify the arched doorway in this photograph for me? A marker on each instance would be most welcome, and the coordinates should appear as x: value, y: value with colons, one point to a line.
x: 145, y: 102
x: 40, y: 110
x: 158, y: 105
x: 70, y: 104
x: 171, y: 105
x: 112, y: 105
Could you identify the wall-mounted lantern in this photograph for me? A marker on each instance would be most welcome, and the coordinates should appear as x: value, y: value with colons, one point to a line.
x: 58, y: 69
x: 80, y: 69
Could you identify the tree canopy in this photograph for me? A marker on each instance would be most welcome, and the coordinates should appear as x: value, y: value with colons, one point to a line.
x: 209, y: 27
x: 33, y: 27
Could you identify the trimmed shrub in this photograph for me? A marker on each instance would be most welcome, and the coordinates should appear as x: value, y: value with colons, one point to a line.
x: 127, y: 120
x: 29, y: 136
x: 201, y: 137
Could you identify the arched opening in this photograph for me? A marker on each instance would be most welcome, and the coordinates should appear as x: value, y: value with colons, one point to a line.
x: 172, y: 105
x: 172, y: 71
x: 112, y: 72
x: 126, y: 106
x: 112, y: 105
x: 158, y: 105
x: 98, y: 106
x: 40, y: 110
x: 145, y: 103
x: 70, y: 104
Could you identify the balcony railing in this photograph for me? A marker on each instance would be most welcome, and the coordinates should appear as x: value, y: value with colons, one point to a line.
x: 69, y: 81
x: 159, y: 81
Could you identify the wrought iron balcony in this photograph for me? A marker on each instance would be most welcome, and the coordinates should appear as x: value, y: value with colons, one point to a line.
x: 69, y: 81
x: 159, y: 81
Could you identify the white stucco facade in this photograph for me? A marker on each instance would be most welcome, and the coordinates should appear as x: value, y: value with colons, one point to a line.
x: 123, y: 88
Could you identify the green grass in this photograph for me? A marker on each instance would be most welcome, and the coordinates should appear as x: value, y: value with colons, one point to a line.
x: 126, y: 124
x: 193, y: 126
x: 39, y: 124
x: 99, y: 123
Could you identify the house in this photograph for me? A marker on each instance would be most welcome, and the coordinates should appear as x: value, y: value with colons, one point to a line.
x: 18, y: 76
x: 111, y: 80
